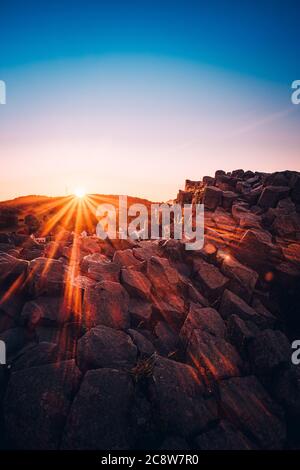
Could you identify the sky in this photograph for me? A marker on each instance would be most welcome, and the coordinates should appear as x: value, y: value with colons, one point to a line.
x: 134, y: 97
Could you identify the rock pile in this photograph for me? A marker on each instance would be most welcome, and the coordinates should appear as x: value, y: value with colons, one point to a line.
x: 142, y: 345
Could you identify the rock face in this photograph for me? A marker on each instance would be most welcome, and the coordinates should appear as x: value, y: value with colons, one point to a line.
x: 121, y: 344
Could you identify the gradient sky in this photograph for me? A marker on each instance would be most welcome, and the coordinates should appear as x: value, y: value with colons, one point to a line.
x: 133, y: 97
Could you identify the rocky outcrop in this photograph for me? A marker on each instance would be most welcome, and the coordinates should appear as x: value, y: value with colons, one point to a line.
x: 121, y: 344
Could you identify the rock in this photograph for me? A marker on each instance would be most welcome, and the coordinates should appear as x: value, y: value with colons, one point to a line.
x: 136, y: 283
x: 240, y: 332
x: 162, y: 275
x: 107, y: 396
x: 211, y: 280
x: 105, y: 347
x: 272, y: 194
x: 53, y: 249
x: 292, y: 253
x: 286, y: 225
x: 45, y: 393
x: 146, y: 250
x: 228, y: 198
x: 100, y: 268
x: 140, y: 311
x: 178, y: 387
x: 223, y: 220
x: 126, y: 258
x: 172, y: 309
x: 242, y: 279
x: 107, y: 304
x: 223, y: 437
x: 207, y: 319
x: 231, y: 304
x: 46, y: 277
x: 12, y: 268
x: 40, y: 354
x: 244, y: 401
x: 184, y: 197
x: 250, y: 220
x: 144, y: 346
x: 167, y: 343
x: 258, y: 306
x: 213, y: 356
x: 239, y: 210
x: 46, y: 310
x: 295, y: 185
x: 212, y: 197
x: 260, y: 243
x: 90, y: 245
x: 195, y: 296
x: 268, y: 351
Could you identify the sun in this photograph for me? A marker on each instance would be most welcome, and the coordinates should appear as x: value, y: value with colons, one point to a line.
x: 80, y: 193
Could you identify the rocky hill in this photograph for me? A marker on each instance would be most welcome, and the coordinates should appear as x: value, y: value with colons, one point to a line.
x: 124, y: 344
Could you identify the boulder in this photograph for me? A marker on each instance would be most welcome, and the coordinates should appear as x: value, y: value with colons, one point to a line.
x: 12, y: 268
x: 178, y: 387
x: 107, y: 304
x: 268, y: 351
x: 144, y: 346
x: 240, y: 332
x: 99, y: 418
x: 244, y: 401
x: 199, y: 318
x: 136, y: 283
x: 46, y: 276
x: 44, y: 393
x: 228, y: 198
x: 259, y: 242
x: 213, y: 356
x: 231, y: 304
x: 46, y: 310
x: 242, y: 279
x: 211, y: 280
x: 126, y: 258
x: 272, y: 194
x: 212, y: 197
x: 105, y: 347
x: 140, y: 311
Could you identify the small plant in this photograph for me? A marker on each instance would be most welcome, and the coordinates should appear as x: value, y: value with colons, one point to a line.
x: 144, y: 368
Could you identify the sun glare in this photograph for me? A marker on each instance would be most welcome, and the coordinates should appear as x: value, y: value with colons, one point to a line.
x: 80, y: 193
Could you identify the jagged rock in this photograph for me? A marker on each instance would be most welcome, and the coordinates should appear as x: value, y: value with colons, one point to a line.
x: 249, y: 220
x: 212, y: 197
x: 295, y: 185
x: 126, y: 258
x: 231, y: 304
x: 46, y: 310
x: 258, y: 306
x: 213, y: 356
x: 184, y: 197
x: 167, y: 342
x: 107, y: 304
x: 65, y: 336
x: 229, y: 197
x: 286, y: 225
x: 140, y: 310
x: 244, y: 401
x: 268, y: 351
x: 107, y: 396
x: 207, y: 319
x: 242, y: 279
x: 272, y: 194
x: 292, y: 253
x: 239, y: 210
x: 212, y: 281
x: 146, y: 250
x: 53, y: 249
x: 144, y: 346
x: 178, y: 387
x: 258, y: 242
x: 136, y: 283
x: 223, y: 437
x: 40, y: 354
x: 223, y: 220
x: 45, y: 393
x: 105, y: 347
x: 240, y: 331
x: 46, y: 276
x: 12, y: 268
x: 100, y: 268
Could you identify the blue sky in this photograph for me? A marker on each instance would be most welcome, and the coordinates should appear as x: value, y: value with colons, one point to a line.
x: 119, y: 94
